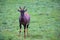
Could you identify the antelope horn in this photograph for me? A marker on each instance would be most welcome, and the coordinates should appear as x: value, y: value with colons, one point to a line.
x: 24, y: 7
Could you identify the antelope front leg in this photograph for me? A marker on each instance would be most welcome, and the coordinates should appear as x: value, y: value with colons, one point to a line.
x: 20, y: 30
x: 25, y: 31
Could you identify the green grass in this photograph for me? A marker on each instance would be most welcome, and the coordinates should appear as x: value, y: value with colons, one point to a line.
x: 44, y: 23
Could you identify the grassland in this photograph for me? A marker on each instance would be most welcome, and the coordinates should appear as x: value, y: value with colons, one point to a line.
x: 44, y: 24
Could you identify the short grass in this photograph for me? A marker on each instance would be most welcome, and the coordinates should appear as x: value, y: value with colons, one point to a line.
x: 44, y: 23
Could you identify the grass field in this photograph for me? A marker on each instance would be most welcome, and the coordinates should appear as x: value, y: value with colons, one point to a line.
x: 44, y: 23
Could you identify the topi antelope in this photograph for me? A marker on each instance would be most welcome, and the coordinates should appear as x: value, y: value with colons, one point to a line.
x: 24, y: 20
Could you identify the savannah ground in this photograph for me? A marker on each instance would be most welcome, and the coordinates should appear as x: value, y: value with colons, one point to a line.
x: 44, y: 23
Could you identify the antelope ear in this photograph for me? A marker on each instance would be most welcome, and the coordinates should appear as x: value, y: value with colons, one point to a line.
x: 18, y: 10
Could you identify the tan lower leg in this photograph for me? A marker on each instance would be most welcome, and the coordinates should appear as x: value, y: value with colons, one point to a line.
x: 20, y: 30
x: 25, y: 32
